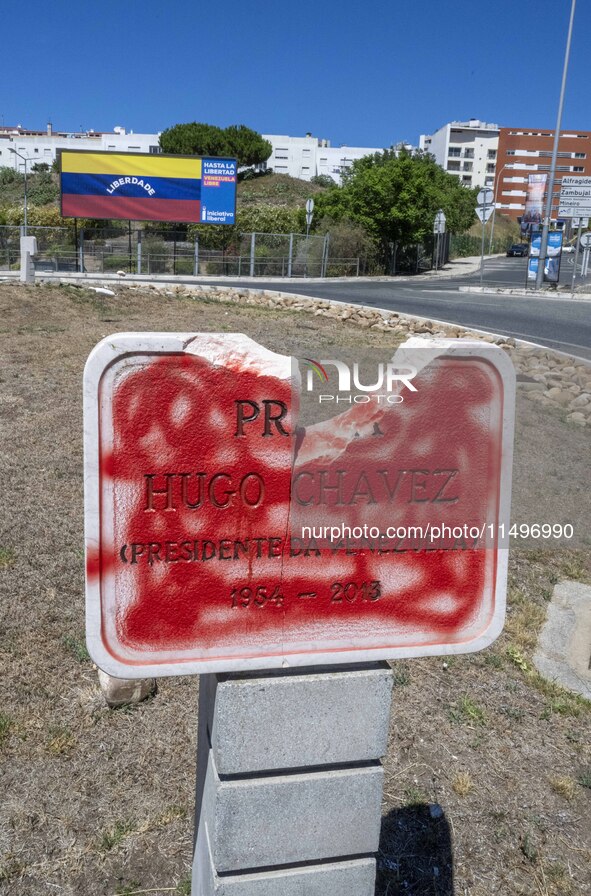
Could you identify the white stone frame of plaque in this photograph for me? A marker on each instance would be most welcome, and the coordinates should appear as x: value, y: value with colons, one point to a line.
x: 119, y: 345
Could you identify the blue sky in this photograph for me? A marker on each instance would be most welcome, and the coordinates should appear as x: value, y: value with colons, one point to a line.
x: 363, y: 74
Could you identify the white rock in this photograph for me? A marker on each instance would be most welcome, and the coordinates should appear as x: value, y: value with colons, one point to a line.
x: 577, y: 418
x: 123, y: 691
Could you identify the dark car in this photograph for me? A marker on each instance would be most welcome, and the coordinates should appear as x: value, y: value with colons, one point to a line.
x: 517, y: 249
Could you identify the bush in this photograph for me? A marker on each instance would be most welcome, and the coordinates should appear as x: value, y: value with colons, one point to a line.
x: 118, y: 263
x: 323, y: 180
x: 10, y: 176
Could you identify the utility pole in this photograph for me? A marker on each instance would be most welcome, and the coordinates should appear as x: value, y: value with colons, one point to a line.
x: 548, y: 211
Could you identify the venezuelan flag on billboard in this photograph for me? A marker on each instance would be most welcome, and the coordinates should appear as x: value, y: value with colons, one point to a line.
x: 143, y: 187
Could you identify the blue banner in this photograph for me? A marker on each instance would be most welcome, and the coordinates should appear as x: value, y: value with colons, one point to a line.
x: 218, y: 191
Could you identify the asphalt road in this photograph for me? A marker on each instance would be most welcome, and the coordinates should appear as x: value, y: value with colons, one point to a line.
x: 560, y: 323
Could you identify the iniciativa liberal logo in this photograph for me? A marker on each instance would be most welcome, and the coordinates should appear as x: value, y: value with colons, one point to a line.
x: 389, y: 380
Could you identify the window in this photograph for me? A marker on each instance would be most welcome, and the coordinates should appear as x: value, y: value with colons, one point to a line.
x: 491, y: 154
x: 510, y: 152
x: 277, y: 156
x: 454, y: 152
x: 466, y: 179
x: 580, y: 155
x: 306, y: 152
x: 453, y: 166
x: 467, y: 166
x: 468, y: 153
x: 154, y: 150
x: 35, y: 150
x: 578, y: 168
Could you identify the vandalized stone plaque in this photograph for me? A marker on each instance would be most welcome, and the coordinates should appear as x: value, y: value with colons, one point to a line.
x: 223, y: 535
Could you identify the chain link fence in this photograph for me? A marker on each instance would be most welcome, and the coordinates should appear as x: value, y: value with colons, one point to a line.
x: 96, y: 251
x: 150, y: 251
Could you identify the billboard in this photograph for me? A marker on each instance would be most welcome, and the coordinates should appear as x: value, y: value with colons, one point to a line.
x: 532, y: 216
x: 553, y: 255
x: 143, y: 187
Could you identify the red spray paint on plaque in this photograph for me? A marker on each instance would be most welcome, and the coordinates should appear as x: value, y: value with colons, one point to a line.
x: 175, y: 417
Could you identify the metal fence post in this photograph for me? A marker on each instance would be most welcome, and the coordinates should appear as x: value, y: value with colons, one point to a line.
x: 196, y: 262
x: 252, y: 245
x: 290, y: 258
x: 81, y: 251
x: 139, y: 251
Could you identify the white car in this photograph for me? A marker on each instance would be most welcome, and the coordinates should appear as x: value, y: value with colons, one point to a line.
x: 568, y: 248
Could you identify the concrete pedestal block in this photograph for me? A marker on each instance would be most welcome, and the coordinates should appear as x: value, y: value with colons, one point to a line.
x: 257, y: 822
x: 289, y: 782
x: 350, y: 877
x: 275, y: 721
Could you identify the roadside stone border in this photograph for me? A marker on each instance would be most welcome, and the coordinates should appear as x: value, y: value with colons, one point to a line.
x: 551, y: 378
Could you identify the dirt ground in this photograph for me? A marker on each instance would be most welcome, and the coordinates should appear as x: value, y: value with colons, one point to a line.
x: 488, y: 771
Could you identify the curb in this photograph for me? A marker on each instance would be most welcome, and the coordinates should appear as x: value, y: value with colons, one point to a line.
x: 528, y: 293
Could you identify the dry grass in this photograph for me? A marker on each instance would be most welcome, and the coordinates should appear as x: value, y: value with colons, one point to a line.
x: 565, y: 786
x: 463, y: 783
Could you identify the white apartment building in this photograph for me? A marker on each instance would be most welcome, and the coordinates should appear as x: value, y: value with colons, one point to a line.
x: 42, y: 146
x: 467, y: 149
x: 306, y: 157
x: 302, y: 157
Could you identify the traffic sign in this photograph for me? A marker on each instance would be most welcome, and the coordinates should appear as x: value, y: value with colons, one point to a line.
x: 309, y: 212
x: 484, y: 212
x: 575, y: 197
x: 439, y: 222
x: 586, y: 240
x: 485, y: 196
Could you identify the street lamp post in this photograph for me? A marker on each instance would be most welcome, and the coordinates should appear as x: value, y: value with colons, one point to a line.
x: 25, y: 160
x: 548, y: 211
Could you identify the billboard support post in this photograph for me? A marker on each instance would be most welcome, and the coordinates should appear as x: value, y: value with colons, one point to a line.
x: 196, y: 265
x: 76, y: 242
x: 139, y: 252
x: 129, y: 245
